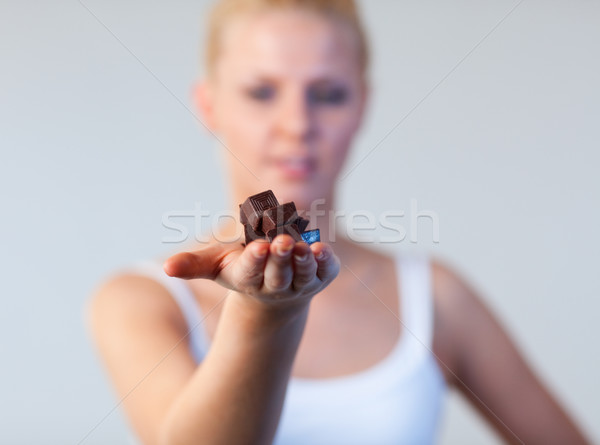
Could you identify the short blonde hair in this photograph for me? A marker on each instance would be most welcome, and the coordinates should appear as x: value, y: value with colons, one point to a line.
x: 224, y: 10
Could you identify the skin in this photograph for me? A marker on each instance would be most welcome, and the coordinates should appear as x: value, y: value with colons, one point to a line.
x: 269, y: 100
x: 256, y: 300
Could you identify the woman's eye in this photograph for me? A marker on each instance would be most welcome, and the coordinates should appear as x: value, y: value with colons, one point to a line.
x: 261, y: 93
x: 333, y: 96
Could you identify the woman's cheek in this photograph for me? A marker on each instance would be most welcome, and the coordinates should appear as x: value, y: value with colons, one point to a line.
x: 247, y: 130
x: 341, y: 120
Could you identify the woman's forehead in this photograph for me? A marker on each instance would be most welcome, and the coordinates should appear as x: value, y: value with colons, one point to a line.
x: 282, y: 43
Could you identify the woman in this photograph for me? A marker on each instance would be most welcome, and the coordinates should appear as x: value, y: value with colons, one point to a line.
x: 234, y: 356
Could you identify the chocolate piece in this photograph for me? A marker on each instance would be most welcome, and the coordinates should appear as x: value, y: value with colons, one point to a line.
x: 250, y: 234
x: 261, y: 214
x: 243, y: 218
x: 288, y: 229
x: 312, y: 236
x: 302, y: 224
x: 279, y: 216
x: 252, y: 208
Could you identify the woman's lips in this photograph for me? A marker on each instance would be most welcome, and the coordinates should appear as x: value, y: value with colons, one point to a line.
x: 295, y: 167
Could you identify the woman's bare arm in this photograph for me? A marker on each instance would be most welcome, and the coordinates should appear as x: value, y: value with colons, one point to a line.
x: 489, y: 370
x: 236, y: 394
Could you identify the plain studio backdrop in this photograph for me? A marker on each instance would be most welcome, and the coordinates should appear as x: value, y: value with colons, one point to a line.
x: 486, y: 119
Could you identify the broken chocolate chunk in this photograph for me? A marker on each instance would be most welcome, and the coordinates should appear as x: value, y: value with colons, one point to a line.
x: 243, y: 218
x: 279, y: 216
x: 250, y: 234
x: 263, y: 217
x: 302, y: 224
x: 252, y: 209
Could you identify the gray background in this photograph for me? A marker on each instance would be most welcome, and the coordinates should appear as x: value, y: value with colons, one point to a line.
x: 95, y: 150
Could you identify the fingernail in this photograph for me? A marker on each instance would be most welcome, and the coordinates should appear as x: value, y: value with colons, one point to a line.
x: 283, y: 250
x: 301, y: 258
x: 321, y: 255
x: 259, y: 254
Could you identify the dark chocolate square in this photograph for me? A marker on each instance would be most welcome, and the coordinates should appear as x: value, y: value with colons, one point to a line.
x: 253, y: 208
x: 243, y: 218
x: 302, y: 224
x: 279, y: 216
x: 250, y: 234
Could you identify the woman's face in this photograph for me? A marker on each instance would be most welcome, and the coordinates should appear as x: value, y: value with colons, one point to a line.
x: 286, y: 99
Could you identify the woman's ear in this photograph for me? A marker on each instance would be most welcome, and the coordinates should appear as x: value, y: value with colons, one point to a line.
x: 204, y: 100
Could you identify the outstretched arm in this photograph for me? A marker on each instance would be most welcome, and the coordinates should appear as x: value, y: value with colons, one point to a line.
x: 236, y: 394
x: 488, y: 369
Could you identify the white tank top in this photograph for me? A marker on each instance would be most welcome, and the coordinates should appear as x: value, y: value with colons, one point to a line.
x: 396, y: 401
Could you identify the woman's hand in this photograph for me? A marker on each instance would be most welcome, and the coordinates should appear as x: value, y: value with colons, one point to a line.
x: 274, y: 273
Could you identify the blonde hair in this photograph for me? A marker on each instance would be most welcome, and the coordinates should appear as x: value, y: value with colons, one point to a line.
x: 225, y: 10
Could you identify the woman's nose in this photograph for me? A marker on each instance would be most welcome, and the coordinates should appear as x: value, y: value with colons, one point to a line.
x: 294, y: 117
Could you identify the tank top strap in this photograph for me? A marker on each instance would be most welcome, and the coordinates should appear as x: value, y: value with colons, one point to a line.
x: 185, y: 299
x: 416, y: 297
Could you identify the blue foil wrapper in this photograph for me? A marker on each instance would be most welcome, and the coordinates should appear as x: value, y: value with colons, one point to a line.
x: 311, y: 236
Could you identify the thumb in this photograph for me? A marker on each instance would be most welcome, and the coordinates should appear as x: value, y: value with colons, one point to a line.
x: 204, y: 263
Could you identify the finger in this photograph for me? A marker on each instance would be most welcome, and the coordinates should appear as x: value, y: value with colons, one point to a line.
x: 305, y: 266
x: 248, y: 270
x: 328, y: 264
x: 204, y: 263
x: 278, y: 271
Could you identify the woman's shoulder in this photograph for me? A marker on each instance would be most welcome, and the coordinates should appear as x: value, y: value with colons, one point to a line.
x: 129, y: 297
x: 462, y: 318
x: 452, y: 292
x: 136, y: 325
